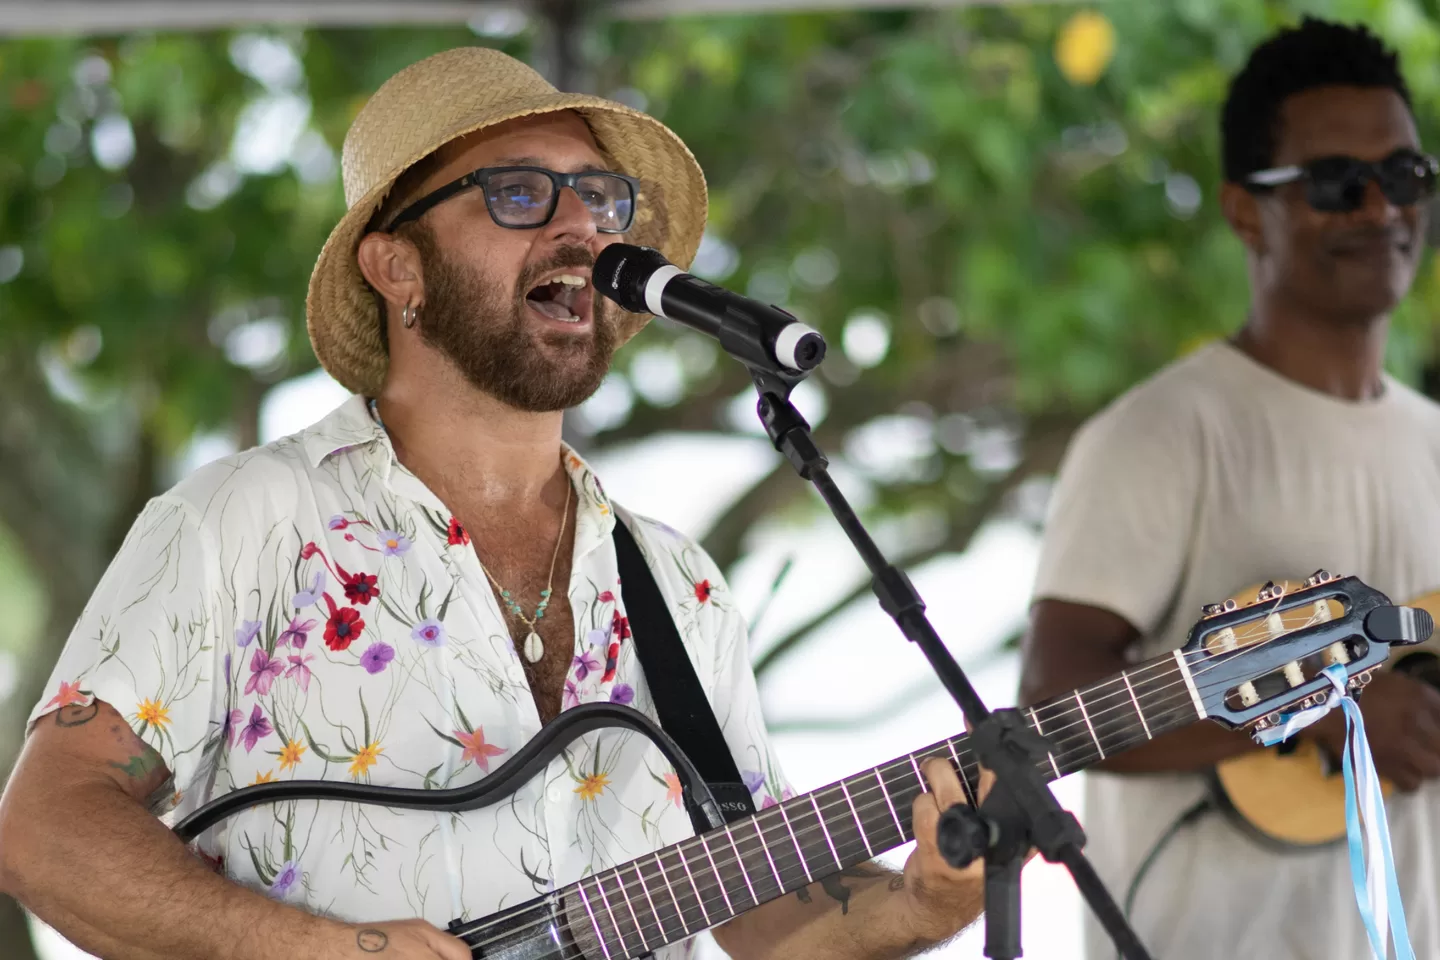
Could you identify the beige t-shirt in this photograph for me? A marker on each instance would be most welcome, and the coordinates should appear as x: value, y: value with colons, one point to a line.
x: 1214, y: 475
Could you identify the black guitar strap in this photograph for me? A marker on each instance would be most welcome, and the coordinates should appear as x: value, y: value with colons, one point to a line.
x: 680, y: 702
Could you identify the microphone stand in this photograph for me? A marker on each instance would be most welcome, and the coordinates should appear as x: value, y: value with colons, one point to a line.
x: 1020, y: 812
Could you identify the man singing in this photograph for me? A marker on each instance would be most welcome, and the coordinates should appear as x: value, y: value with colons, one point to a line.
x: 404, y: 593
x: 1279, y: 451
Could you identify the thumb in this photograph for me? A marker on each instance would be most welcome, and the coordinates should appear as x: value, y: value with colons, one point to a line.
x: 445, y: 946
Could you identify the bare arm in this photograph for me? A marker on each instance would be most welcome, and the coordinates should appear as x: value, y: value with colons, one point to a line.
x: 79, y: 847
x: 1069, y: 645
x: 869, y: 912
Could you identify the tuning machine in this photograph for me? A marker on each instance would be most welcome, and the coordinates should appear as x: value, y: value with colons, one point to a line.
x: 1215, y: 609
x: 1319, y: 577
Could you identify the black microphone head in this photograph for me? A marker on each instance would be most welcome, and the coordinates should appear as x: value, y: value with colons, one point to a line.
x: 622, y: 270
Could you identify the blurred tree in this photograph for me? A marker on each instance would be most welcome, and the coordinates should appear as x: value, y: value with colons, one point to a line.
x: 994, y: 246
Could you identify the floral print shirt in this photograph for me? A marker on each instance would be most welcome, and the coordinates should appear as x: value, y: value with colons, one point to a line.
x: 310, y: 610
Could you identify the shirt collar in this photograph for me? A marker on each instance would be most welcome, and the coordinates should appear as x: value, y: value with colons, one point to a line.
x: 350, y: 426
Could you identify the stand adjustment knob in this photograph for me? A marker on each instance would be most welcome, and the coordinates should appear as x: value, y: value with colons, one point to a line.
x: 964, y: 834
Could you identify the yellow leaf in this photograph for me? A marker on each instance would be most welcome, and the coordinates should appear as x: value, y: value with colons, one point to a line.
x: 1084, y: 47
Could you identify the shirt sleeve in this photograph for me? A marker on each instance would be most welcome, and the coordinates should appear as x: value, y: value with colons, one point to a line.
x: 1121, y: 515
x: 145, y: 643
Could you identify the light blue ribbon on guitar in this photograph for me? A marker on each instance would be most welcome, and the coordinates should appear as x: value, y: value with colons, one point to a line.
x: 1372, y: 863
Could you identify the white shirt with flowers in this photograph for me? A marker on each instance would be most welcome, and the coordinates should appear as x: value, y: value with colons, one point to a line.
x: 310, y: 610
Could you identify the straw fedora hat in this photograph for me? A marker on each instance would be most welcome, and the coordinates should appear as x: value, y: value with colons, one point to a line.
x: 446, y: 96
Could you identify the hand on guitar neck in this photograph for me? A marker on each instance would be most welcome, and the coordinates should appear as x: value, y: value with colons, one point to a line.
x: 1402, y: 723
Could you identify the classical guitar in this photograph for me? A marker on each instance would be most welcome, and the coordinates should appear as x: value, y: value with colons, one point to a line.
x: 677, y: 891
x: 1293, y: 795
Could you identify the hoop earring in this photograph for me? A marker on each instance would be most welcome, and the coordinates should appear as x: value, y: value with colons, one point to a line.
x: 409, y: 315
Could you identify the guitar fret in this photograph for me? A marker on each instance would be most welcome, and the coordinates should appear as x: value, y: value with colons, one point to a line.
x: 856, y: 814
x: 960, y: 769
x: 740, y: 863
x: 619, y: 934
x: 629, y: 906
x: 825, y: 830
x: 1035, y: 722
x: 1163, y: 695
x: 1138, y: 712
x: 1081, y: 704
x: 919, y: 777
x: 719, y: 880
x: 765, y: 847
x: 654, y: 910
x: 884, y: 791
x: 796, y: 840
x: 679, y: 911
x: 599, y: 934
x: 685, y: 862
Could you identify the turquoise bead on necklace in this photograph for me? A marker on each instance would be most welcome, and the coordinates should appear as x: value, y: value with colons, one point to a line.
x: 515, y: 607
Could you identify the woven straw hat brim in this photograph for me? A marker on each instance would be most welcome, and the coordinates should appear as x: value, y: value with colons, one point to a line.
x: 341, y: 312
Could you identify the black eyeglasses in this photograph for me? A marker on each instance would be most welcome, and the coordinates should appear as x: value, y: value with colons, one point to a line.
x: 523, y: 198
x: 1337, y: 184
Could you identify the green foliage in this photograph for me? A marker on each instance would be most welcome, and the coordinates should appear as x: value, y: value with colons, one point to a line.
x: 992, y: 250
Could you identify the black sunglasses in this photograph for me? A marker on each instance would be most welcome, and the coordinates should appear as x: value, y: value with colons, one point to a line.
x: 1337, y: 184
x: 523, y: 198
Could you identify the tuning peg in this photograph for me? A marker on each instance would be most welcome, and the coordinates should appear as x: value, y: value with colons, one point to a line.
x: 1318, y: 577
x: 1269, y: 592
x: 1215, y: 609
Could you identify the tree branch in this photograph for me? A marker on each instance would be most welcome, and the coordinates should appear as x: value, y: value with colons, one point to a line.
x: 1045, y: 443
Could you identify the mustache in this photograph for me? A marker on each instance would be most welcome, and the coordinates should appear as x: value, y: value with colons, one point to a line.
x: 574, y: 255
x: 1355, y: 238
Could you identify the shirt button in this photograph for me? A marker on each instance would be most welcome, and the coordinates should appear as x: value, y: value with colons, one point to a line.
x: 554, y: 794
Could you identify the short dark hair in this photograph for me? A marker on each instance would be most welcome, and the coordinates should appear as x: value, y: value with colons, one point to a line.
x: 1317, y: 53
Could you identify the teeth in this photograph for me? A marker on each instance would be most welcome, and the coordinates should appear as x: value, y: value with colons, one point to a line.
x: 570, y: 280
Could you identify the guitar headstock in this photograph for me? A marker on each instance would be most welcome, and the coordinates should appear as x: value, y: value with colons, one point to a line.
x: 1263, y: 651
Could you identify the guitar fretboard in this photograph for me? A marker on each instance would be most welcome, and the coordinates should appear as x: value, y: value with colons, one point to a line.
x: 698, y: 883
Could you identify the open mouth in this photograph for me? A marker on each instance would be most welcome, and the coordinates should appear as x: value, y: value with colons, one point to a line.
x: 561, y: 297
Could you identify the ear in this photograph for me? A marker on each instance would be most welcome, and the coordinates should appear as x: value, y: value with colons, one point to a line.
x: 393, y: 268
x: 1242, y: 211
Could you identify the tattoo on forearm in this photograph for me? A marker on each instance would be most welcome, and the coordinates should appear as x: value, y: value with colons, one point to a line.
x: 837, y: 890
x: 372, y: 941
x: 76, y: 715
x: 897, y: 882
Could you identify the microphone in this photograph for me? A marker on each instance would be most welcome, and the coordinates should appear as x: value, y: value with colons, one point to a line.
x: 762, y: 337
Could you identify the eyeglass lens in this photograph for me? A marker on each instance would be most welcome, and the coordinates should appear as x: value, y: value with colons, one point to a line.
x: 525, y: 198
x: 1338, y: 183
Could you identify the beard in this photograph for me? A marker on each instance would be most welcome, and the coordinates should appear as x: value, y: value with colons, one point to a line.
x: 483, y: 332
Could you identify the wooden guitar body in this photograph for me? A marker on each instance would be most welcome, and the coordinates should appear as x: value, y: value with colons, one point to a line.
x: 1293, y: 795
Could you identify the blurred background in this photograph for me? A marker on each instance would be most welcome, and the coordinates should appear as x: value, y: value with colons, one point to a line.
x: 1000, y: 214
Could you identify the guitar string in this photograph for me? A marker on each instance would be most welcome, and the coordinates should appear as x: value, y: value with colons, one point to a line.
x: 709, y: 896
x: 625, y: 888
x: 713, y: 893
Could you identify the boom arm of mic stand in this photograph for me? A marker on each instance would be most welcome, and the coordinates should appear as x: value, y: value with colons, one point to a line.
x: 1020, y: 800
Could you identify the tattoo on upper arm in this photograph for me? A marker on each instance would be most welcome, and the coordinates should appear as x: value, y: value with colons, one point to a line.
x: 76, y: 715
x: 840, y: 893
x: 140, y: 766
x: 372, y: 941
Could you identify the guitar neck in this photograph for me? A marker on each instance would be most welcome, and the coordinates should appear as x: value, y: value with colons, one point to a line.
x: 676, y: 892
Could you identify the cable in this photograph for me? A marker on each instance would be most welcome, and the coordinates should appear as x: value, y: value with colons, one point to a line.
x: 1188, y: 816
